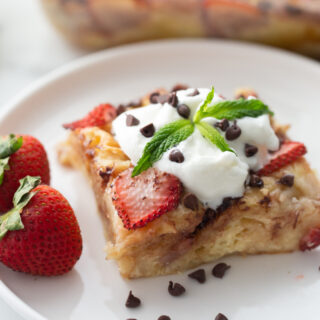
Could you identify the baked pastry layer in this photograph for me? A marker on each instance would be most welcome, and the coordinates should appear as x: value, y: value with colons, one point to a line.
x: 272, y: 219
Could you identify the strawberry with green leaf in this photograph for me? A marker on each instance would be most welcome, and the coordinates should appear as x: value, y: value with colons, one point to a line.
x: 40, y: 235
x: 20, y: 156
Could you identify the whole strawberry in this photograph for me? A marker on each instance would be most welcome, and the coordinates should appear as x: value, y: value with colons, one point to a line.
x: 40, y: 235
x: 19, y: 157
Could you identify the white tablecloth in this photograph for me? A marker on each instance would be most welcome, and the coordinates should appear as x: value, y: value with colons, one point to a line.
x: 29, y: 48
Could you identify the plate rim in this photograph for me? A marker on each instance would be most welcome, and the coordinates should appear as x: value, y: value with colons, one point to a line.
x: 86, y: 61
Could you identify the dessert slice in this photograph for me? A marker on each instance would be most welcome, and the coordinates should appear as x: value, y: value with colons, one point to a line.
x: 186, y: 177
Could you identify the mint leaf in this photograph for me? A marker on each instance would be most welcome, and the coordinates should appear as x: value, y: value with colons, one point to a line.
x: 213, y: 135
x: 12, y: 220
x: 4, y: 165
x: 10, y: 145
x: 164, y: 139
x: 197, y: 117
x: 237, y: 109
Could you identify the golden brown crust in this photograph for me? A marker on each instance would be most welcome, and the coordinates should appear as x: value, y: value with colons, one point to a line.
x: 268, y: 220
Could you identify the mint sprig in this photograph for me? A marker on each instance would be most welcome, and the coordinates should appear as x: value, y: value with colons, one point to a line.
x: 213, y: 136
x: 173, y: 133
x: 11, y: 220
x: 164, y: 139
x: 8, y: 146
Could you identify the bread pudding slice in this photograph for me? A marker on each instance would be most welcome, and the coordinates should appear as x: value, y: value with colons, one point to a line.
x: 281, y: 214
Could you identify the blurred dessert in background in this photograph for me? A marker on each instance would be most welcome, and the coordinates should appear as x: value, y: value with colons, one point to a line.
x: 96, y: 24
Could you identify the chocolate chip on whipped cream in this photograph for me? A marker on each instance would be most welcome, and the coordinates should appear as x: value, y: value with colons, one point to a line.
x: 222, y: 125
x: 198, y: 275
x: 132, y: 301
x: 131, y: 120
x: 190, y: 201
x: 183, y: 110
x: 220, y: 269
x: 250, y: 150
x: 195, y: 92
x: 233, y: 132
x: 176, y: 289
x: 173, y: 99
x: 148, y: 130
x: 176, y: 156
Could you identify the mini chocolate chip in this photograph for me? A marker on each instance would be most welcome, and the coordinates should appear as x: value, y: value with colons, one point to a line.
x: 105, y: 174
x: 164, y: 318
x: 222, y: 125
x: 233, y: 132
x: 195, y: 92
x: 131, y: 120
x: 220, y: 269
x: 255, y: 181
x: 179, y: 87
x: 121, y: 109
x: 190, y: 201
x: 199, y: 275
x: 176, y: 156
x: 183, y: 110
x: 220, y: 316
x: 132, y: 301
x: 163, y: 98
x: 173, y: 99
x: 154, y: 97
x: 265, y: 201
x: 176, y: 289
x: 287, y: 180
x: 293, y: 10
x: 264, y: 6
x: 148, y: 130
x: 250, y: 150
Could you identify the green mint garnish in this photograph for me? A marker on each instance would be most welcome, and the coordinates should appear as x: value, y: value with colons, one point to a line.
x: 173, y: 133
x: 237, y: 109
x: 213, y: 135
x: 12, y: 220
x: 164, y: 139
x: 8, y: 146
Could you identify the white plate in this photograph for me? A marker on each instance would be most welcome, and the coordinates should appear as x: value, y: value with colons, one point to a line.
x: 260, y: 287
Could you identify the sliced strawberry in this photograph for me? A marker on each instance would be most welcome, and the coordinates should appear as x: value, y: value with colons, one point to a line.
x: 311, y: 240
x: 289, y: 152
x: 142, y: 199
x: 98, y: 117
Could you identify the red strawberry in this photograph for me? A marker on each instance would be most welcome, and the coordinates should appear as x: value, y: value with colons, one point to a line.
x: 44, y: 239
x: 311, y: 240
x: 98, y: 117
x: 142, y: 199
x: 29, y: 159
x: 289, y: 152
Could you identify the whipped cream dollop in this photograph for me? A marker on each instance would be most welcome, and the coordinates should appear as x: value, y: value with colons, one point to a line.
x: 206, y: 171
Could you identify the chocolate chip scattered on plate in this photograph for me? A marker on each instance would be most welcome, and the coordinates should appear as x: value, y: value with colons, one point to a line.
x: 132, y: 301
x: 198, y: 275
x: 220, y: 269
x: 176, y: 289
x: 220, y: 316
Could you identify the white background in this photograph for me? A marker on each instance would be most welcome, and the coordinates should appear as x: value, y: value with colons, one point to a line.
x: 29, y: 48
